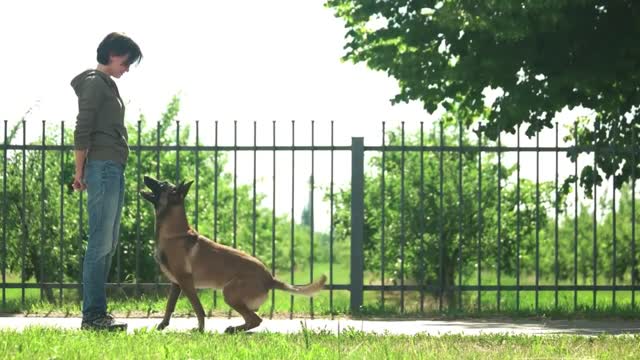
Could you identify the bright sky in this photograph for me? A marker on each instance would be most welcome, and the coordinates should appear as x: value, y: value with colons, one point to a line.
x: 228, y: 60
x: 239, y: 60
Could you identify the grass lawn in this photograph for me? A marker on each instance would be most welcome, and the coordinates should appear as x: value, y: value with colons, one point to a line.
x: 349, y: 344
x: 38, y: 342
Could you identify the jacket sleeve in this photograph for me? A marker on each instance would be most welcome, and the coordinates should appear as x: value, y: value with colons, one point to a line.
x: 89, y: 101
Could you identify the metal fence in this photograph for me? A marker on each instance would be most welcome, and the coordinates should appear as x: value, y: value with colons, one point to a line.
x: 358, y: 216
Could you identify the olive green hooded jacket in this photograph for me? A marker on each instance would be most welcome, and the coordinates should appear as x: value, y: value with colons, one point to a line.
x: 100, y: 121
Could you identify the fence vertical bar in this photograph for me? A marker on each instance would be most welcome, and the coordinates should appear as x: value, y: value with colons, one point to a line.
x: 479, y: 280
x: 499, y: 259
x: 613, y: 266
x: 537, y: 287
x: 177, y: 151
x: 357, y: 223
x: 293, y: 177
x: 331, y: 229
x: 235, y: 184
x: 215, y: 198
x: 556, y: 224
x: 273, y: 220
x: 518, y: 222
x: 158, y: 150
x: 197, y: 180
x: 235, y: 188
x: 139, y: 187
x: 441, y: 220
x: 575, y: 222
x: 42, y: 217
x: 382, y: 215
x: 460, y: 214
x: 595, y: 217
x: 633, y: 217
x: 23, y: 215
x: 81, y: 236
x: 255, y: 144
x: 311, y: 209
x: 60, y: 275
x: 4, y: 216
x: 118, y: 262
x: 613, y: 211
x: 402, y: 220
x: 155, y: 268
x: 422, y: 222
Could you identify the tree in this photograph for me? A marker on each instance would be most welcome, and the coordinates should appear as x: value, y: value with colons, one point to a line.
x: 578, y: 232
x: 37, y: 236
x: 460, y: 221
x: 542, y: 55
x: 305, y: 217
x: 567, y: 238
x: 624, y: 256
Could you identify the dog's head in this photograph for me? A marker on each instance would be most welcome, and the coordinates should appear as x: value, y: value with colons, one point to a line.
x: 163, y: 194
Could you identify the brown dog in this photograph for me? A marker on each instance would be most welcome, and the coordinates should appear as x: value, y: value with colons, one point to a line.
x: 191, y: 261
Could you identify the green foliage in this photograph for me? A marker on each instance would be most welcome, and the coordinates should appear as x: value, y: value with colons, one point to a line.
x: 542, y: 55
x: 39, y: 227
x: 578, y: 232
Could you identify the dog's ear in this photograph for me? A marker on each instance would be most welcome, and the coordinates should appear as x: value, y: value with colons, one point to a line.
x: 184, y: 188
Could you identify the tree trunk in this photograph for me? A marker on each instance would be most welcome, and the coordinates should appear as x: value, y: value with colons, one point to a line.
x: 450, y: 294
x: 36, y: 259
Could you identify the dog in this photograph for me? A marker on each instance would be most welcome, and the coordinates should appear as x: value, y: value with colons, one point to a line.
x: 191, y: 261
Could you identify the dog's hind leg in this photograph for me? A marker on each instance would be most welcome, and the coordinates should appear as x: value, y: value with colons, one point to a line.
x: 251, y: 319
x: 237, y: 296
x: 186, y: 284
x: 171, y: 305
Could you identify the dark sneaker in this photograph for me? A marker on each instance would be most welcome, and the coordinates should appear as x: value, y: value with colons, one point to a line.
x: 106, y: 322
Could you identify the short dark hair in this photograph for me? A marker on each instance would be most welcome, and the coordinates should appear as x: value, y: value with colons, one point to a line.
x: 118, y: 44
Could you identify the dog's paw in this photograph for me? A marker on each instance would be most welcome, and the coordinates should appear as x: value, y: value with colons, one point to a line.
x: 161, y: 326
x: 231, y: 330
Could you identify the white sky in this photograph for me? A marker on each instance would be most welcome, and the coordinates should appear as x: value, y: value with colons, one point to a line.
x: 228, y: 60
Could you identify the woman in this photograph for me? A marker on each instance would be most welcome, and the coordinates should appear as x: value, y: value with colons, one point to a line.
x: 101, y: 151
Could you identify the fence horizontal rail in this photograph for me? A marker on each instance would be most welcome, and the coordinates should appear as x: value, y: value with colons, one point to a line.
x: 523, y: 288
x: 142, y: 286
x: 134, y: 148
x: 431, y: 288
x: 391, y: 148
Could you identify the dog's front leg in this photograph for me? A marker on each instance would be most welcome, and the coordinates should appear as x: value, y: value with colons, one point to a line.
x: 186, y: 284
x: 171, y: 305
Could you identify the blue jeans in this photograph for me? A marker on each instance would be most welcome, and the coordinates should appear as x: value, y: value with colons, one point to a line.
x: 105, y: 195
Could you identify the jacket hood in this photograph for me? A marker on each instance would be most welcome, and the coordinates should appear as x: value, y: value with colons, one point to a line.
x: 78, y: 79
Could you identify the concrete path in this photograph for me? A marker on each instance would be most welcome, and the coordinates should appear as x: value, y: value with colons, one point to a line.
x: 406, y: 327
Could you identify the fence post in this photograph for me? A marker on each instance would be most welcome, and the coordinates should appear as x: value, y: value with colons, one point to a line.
x: 357, y: 222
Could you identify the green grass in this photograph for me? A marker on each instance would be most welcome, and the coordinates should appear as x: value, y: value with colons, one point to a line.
x: 511, y: 304
x: 39, y: 342
x: 153, y: 305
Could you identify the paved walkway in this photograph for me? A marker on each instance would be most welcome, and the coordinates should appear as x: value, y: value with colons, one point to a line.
x: 407, y: 327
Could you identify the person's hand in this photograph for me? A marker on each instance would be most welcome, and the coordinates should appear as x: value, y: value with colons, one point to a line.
x: 78, y: 184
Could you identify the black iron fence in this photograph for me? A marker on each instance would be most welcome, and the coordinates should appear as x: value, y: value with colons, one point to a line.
x: 435, y: 217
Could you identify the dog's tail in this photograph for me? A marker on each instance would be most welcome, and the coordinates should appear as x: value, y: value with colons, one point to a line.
x: 308, y: 290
